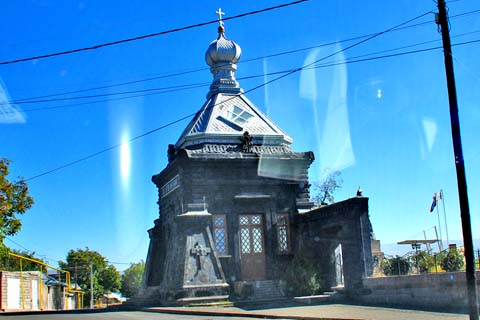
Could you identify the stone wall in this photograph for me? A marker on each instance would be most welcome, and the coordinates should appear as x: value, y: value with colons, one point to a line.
x: 320, y: 231
x: 434, y: 291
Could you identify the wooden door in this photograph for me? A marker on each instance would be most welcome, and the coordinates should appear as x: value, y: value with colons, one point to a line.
x: 252, y: 247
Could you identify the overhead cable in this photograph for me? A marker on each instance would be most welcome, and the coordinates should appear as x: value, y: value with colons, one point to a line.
x: 151, y: 35
x: 250, y: 90
x: 194, y: 70
x: 157, y: 91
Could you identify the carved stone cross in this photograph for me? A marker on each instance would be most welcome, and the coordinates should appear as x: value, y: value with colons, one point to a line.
x: 198, y: 251
x: 220, y: 14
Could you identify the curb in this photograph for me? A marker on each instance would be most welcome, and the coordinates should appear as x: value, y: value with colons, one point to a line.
x: 35, y: 312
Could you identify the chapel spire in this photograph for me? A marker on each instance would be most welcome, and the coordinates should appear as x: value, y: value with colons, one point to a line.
x: 222, y: 56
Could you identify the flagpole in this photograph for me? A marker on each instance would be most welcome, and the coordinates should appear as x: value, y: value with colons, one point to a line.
x: 438, y: 242
x: 439, y: 224
x: 442, y: 196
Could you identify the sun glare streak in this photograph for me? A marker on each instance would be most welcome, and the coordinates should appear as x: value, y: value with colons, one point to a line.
x: 327, y: 89
x: 336, y: 144
x: 430, y: 131
x: 265, y: 89
x: 125, y: 160
x: 9, y: 113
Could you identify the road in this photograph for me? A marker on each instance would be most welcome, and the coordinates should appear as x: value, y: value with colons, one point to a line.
x: 330, y: 311
x: 132, y: 315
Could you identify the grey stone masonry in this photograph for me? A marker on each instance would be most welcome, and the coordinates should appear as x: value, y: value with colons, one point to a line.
x: 320, y: 231
x: 195, y: 187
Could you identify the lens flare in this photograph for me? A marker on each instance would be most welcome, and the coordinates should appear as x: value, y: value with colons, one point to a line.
x: 125, y: 160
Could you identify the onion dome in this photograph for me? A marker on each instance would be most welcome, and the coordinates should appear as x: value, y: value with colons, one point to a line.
x: 222, y: 56
x: 222, y: 50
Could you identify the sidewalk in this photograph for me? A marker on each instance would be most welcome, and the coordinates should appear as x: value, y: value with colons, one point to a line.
x: 323, y: 312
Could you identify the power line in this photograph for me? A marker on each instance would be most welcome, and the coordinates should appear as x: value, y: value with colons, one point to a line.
x: 163, y: 89
x: 32, y: 252
x: 107, y: 44
x: 190, y: 71
x: 250, y: 90
x: 199, y: 85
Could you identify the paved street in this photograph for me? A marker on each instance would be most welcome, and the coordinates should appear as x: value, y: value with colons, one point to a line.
x: 133, y: 315
x: 334, y: 311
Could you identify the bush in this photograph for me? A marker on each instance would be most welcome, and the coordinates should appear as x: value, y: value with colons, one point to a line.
x: 426, y: 262
x: 451, y: 262
x: 301, y: 277
x: 396, y: 266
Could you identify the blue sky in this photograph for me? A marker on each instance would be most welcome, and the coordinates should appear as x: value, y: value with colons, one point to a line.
x: 384, y: 123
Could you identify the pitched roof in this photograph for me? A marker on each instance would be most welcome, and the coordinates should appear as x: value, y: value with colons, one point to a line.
x: 225, y: 117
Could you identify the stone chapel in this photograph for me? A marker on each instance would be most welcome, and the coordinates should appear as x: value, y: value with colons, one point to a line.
x: 235, y: 206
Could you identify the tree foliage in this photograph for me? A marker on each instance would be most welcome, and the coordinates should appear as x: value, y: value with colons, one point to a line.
x: 106, y: 278
x: 132, y: 279
x: 14, y: 201
x: 323, y: 192
x: 452, y: 261
x: 9, y: 263
x: 396, y: 266
x: 426, y: 261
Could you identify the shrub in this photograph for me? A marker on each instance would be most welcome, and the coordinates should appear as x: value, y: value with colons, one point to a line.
x: 396, y: 266
x: 451, y: 262
x: 301, y: 276
x: 426, y: 261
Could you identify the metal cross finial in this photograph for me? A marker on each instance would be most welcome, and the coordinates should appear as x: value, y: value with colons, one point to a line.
x: 220, y: 14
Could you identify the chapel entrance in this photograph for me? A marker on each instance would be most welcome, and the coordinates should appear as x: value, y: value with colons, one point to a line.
x: 339, y: 281
x: 252, y: 247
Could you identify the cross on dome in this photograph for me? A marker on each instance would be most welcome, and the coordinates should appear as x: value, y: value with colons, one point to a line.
x: 220, y: 14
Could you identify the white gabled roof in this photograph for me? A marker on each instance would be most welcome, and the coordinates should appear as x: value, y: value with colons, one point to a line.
x: 225, y: 117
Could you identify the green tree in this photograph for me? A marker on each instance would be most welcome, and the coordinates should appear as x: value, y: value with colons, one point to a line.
x: 132, y: 279
x: 106, y: 278
x: 396, y: 266
x: 426, y: 261
x: 323, y: 192
x: 452, y: 261
x: 10, y: 263
x: 14, y: 201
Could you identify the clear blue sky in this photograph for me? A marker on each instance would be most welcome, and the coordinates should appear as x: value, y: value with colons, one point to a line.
x: 384, y: 123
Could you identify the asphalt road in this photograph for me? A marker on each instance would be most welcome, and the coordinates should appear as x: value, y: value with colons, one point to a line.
x: 331, y: 311
x: 133, y: 315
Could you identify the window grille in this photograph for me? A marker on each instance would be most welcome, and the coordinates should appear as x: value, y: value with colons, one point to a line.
x: 283, y: 234
x: 220, y: 234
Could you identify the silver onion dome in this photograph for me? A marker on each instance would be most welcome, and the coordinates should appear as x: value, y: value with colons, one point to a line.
x: 222, y: 50
x: 222, y: 56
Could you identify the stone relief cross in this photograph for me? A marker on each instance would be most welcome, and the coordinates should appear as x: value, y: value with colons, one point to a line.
x: 220, y: 14
x: 198, y: 251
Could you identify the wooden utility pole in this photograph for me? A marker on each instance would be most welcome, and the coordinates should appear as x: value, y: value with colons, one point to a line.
x: 459, y: 163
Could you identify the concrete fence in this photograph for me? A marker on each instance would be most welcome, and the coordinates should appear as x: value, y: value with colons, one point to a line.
x: 434, y: 291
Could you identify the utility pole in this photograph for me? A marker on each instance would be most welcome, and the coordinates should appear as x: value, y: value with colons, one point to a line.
x: 459, y: 162
x: 91, y: 285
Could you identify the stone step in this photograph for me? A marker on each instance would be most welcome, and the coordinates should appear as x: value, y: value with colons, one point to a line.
x: 268, y: 289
